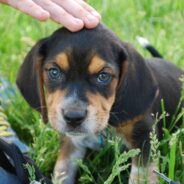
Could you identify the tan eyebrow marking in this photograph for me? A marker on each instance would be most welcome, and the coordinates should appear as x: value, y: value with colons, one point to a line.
x: 96, y: 64
x: 62, y: 61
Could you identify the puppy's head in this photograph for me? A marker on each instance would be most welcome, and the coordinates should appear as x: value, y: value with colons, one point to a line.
x: 82, y: 80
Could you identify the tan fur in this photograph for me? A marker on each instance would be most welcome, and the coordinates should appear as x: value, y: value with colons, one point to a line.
x: 125, y: 129
x: 96, y: 65
x: 53, y: 104
x: 101, y: 103
x: 102, y: 106
x: 63, y: 164
x: 66, y: 149
x: 41, y: 90
x: 63, y: 61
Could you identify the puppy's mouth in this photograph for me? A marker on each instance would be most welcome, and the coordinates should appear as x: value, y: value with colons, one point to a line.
x: 77, y: 134
x: 83, y: 130
x: 77, y: 131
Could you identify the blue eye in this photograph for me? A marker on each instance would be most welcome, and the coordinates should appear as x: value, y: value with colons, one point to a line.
x: 55, y: 73
x: 104, y: 78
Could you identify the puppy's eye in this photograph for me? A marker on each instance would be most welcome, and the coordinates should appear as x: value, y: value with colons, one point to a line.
x: 104, y: 78
x: 55, y: 74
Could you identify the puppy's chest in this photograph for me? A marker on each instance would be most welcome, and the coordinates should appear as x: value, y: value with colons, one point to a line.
x: 125, y: 129
x: 126, y: 132
x: 97, y: 141
x: 87, y: 141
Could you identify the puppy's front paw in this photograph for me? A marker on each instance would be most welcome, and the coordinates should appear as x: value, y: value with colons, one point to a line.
x: 59, y: 177
x: 143, y: 175
x: 62, y: 178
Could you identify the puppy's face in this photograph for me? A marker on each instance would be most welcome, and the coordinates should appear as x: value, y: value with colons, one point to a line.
x: 80, y: 78
x: 84, y: 80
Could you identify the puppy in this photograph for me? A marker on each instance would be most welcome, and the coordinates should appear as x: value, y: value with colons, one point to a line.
x: 83, y: 81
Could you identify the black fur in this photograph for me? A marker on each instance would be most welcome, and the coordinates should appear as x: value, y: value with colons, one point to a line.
x: 137, y: 90
x: 141, y: 86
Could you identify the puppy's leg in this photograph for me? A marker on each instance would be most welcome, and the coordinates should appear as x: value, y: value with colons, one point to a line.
x: 143, y: 174
x: 66, y: 167
x: 137, y: 135
x: 140, y: 138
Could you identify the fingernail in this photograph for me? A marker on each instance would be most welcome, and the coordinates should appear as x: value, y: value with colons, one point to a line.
x: 43, y: 15
x: 78, y: 25
x: 79, y: 21
x: 96, y: 14
x: 91, y: 18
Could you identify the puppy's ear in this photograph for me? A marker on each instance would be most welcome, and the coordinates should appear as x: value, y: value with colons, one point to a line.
x: 136, y: 90
x: 30, y: 78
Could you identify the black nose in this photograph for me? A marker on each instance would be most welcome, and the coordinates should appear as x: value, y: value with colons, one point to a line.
x: 74, y: 118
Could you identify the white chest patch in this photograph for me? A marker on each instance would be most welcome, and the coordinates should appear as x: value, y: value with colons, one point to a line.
x: 87, y: 141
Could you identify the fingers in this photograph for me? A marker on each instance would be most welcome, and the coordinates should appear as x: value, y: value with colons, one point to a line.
x: 82, y: 11
x: 73, y: 14
x: 30, y: 8
x: 89, y: 8
x: 60, y: 15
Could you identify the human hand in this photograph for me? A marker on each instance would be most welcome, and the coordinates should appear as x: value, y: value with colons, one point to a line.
x: 73, y: 14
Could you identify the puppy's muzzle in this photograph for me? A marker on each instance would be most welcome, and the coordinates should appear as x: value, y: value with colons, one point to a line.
x: 73, y: 117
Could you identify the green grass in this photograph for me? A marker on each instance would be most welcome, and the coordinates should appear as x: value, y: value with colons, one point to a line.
x: 159, y: 21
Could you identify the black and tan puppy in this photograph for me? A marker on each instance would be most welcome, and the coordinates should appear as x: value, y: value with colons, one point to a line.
x: 86, y: 80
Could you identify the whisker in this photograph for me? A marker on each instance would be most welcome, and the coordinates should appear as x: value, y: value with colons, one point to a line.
x: 43, y: 106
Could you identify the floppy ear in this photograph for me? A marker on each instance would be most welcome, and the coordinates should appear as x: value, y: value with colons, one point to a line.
x: 136, y: 90
x: 30, y: 78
